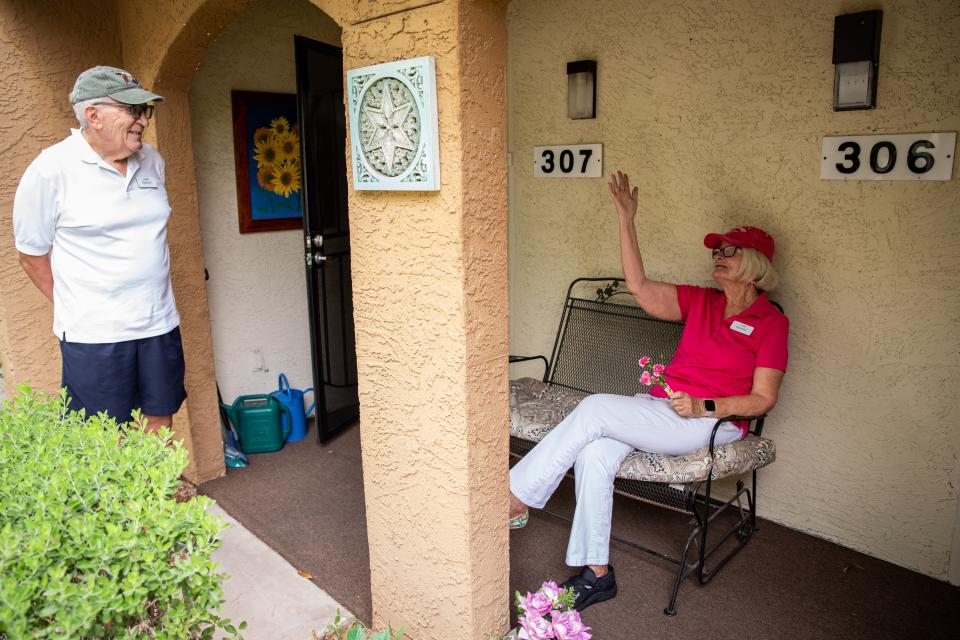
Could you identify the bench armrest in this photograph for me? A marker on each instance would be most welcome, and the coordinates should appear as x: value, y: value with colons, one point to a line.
x: 546, y: 365
x: 713, y: 434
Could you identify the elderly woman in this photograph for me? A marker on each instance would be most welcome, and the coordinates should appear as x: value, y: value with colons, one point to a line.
x: 730, y: 361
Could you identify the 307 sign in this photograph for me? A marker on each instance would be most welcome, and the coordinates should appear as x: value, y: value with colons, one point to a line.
x: 913, y: 156
x: 568, y: 161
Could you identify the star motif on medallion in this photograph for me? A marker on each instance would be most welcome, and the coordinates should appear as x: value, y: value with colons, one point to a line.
x: 387, y: 121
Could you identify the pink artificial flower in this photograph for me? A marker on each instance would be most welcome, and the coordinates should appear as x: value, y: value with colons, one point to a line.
x: 552, y: 590
x: 645, y: 378
x: 644, y: 361
x: 535, y: 627
x: 658, y: 369
x: 568, y: 626
x: 656, y: 376
x: 538, y: 603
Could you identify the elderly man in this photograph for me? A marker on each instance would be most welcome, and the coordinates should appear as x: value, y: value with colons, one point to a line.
x: 90, y: 221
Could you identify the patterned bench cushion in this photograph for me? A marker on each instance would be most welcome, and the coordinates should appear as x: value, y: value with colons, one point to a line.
x: 536, y: 407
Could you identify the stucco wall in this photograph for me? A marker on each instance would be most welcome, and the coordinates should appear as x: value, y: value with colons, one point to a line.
x: 257, y: 290
x: 429, y: 297
x: 42, y: 49
x: 717, y: 112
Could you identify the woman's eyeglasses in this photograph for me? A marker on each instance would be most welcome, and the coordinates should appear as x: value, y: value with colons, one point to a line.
x: 135, y: 110
x: 727, y: 252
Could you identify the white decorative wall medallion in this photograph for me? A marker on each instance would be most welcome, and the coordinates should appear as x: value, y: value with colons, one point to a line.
x: 393, y: 126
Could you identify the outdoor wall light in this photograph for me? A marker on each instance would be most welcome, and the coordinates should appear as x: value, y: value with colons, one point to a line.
x: 582, y: 89
x: 856, y: 54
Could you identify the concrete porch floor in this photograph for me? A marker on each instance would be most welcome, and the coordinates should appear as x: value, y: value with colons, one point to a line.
x: 266, y: 591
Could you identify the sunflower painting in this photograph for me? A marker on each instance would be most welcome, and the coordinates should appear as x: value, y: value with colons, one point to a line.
x: 267, y: 149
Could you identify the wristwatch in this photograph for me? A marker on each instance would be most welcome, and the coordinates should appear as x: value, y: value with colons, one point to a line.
x: 709, y: 406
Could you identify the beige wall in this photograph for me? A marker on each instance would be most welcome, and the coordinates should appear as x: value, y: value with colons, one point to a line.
x: 43, y: 52
x: 430, y: 297
x: 717, y: 112
x: 257, y: 291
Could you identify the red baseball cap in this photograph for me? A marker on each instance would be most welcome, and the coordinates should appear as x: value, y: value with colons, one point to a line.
x: 744, y: 237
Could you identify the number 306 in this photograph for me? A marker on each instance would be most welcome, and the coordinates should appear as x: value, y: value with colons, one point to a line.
x: 918, y: 160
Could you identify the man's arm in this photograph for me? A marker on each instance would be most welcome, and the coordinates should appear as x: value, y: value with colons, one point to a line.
x: 38, y: 268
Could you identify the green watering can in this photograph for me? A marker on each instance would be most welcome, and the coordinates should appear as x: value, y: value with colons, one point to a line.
x: 258, y: 422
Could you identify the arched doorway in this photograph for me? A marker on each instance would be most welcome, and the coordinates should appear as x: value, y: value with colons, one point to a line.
x: 305, y: 500
x: 431, y: 281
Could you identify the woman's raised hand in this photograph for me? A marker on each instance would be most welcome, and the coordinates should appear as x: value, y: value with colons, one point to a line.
x: 624, y: 199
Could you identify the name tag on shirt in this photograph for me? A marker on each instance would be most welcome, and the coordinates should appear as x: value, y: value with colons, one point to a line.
x: 147, y: 182
x: 739, y: 327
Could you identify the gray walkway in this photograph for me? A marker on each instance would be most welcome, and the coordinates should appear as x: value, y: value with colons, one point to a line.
x: 266, y: 591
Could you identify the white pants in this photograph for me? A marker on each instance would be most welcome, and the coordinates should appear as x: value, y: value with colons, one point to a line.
x: 595, y: 439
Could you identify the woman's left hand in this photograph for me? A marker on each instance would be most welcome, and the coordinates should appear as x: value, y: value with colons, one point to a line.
x: 685, y: 404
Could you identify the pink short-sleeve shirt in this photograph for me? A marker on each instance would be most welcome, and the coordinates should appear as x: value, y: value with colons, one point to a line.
x: 717, y: 356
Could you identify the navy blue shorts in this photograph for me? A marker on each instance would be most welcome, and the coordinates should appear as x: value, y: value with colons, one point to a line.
x: 118, y: 377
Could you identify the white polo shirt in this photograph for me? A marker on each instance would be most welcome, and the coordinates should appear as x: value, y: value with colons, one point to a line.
x: 108, y: 236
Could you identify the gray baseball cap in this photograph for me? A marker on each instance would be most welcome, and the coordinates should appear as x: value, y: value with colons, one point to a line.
x: 120, y: 85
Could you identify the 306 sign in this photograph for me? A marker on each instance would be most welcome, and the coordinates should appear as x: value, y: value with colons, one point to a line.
x: 568, y: 161
x: 913, y: 156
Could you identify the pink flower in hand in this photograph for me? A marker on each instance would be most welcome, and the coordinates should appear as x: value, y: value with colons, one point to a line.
x: 538, y: 603
x: 645, y: 378
x: 658, y: 369
x: 644, y: 361
x: 568, y: 626
x: 535, y: 627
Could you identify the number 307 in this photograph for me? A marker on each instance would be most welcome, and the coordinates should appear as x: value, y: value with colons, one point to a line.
x: 566, y: 161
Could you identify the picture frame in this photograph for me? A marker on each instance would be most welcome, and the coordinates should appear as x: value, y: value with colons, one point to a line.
x: 266, y: 144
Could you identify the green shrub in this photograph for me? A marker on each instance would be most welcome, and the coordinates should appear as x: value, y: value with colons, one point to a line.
x: 352, y: 629
x: 92, y: 545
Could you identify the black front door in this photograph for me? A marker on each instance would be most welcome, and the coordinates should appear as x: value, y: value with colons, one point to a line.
x: 326, y: 230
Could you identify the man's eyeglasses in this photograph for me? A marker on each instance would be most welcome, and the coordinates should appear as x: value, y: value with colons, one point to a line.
x: 135, y: 110
x: 727, y: 252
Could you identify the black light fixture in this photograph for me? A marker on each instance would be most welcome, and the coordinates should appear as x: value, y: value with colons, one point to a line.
x: 582, y: 89
x: 856, y: 54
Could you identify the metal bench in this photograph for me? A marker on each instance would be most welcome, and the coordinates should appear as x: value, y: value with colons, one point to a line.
x: 601, y: 336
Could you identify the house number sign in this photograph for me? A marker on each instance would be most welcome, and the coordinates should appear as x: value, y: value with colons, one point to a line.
x: 913, y: 156
x: 568, y: 161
